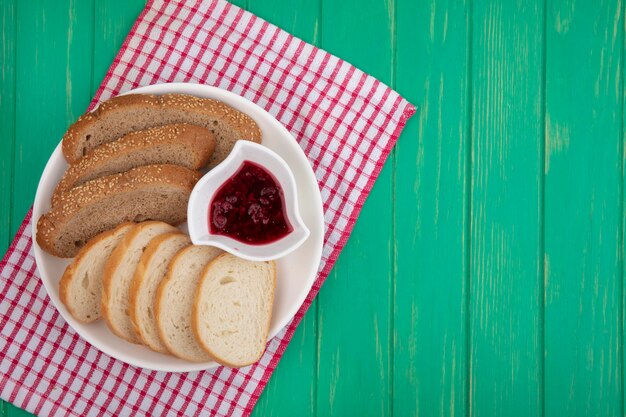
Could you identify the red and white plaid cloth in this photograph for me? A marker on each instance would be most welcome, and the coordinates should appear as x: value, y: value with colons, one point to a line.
x: 347, y: 123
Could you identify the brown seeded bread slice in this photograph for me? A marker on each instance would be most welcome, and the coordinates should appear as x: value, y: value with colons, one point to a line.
x: 178, y: 144
x: 153, y: 192
x: 124, y: 114
x: 150, y: 272
x: 80, y: 287
x: 175, y: 298
x: 118, y: 275
x: 233, y: 309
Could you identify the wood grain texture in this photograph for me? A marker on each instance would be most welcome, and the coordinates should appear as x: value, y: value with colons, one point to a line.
x: 506, y: 286
x: 294, y: 382
x: 112, y: 21
x: 301, y: 18
x: 583, y: 208
x: 431, y: 216
x: 241, y: 3
x: 622, y: 244
x: 10, y: 410
x: 8, y: 28
x: 52, y: 91
x: 292, y: 390
x: 356, y: 317
x: 485, y: 276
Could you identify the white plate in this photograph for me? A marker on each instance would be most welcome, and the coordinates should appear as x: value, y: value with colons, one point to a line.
x: 296, y: 272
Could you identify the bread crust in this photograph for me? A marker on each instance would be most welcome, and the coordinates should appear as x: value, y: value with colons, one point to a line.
x: 50, y: 225
x: 158, y: 305
x: 157, y: 302
x: 138, y: 279
x: 70, y: 140
x: 245, y: 127
x: 109, y: 270
x: 69, y: 274
x: 198, y: 142
x: 194, y: 317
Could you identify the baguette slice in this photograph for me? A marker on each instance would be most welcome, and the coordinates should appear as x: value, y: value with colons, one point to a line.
x: 178, y: 144
x: 118, y: 276
x: 80, y: 287
x: 233, y: 309
x: 124, y: 114
x: 154, y: 192
x: 175, y: 299
x: 150, y: 272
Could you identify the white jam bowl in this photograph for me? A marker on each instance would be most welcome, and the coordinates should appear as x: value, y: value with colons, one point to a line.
x: 204, y: 191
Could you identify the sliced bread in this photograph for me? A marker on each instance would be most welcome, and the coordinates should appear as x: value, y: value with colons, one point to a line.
x: 178, y: 144
x: 80, y: 287
x: 118, y: 116
x: 118, y: 275
x: 154, y: 192
x: 233, y: 309
x: 175, y: 299
x: 150, y: 272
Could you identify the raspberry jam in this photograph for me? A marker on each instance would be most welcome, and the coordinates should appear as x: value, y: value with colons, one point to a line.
x: 249, y: 207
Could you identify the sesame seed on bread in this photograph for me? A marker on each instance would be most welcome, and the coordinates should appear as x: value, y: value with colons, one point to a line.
x: 153, y: 192
x: 178, y: 144
x: 121, y: 115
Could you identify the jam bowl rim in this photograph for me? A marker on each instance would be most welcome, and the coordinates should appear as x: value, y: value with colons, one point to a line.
x: 210, y: 183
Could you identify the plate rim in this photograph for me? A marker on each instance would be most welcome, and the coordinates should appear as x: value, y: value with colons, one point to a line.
x: 315, y: 195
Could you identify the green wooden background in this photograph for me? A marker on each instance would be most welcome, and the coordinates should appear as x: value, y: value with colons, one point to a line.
x: 485, y: 275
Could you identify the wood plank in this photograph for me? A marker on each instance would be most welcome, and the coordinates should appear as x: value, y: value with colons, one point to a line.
x: 356, y: 302
x: 113, y: 20
x: 52, y: 84
x: 301, y: 18
x: 56, y: 75
x: 583, y: 208
x: 57, y: 58
x: 292, y: 390
x: 241, y: 3
x: 432, y: 202
x: 7, y: 117
x: 506, y: 209
x: 13, y: 411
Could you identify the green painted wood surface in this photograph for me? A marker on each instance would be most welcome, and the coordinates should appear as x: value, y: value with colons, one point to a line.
x: 485, y: 275
x: 8, y: 27
x: 364, y: 270
x: 583, y: 170
x: 431, y: 218
x: 506, y: 169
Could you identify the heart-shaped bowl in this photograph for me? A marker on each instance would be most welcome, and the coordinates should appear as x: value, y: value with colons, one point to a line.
x: 205, y: 190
